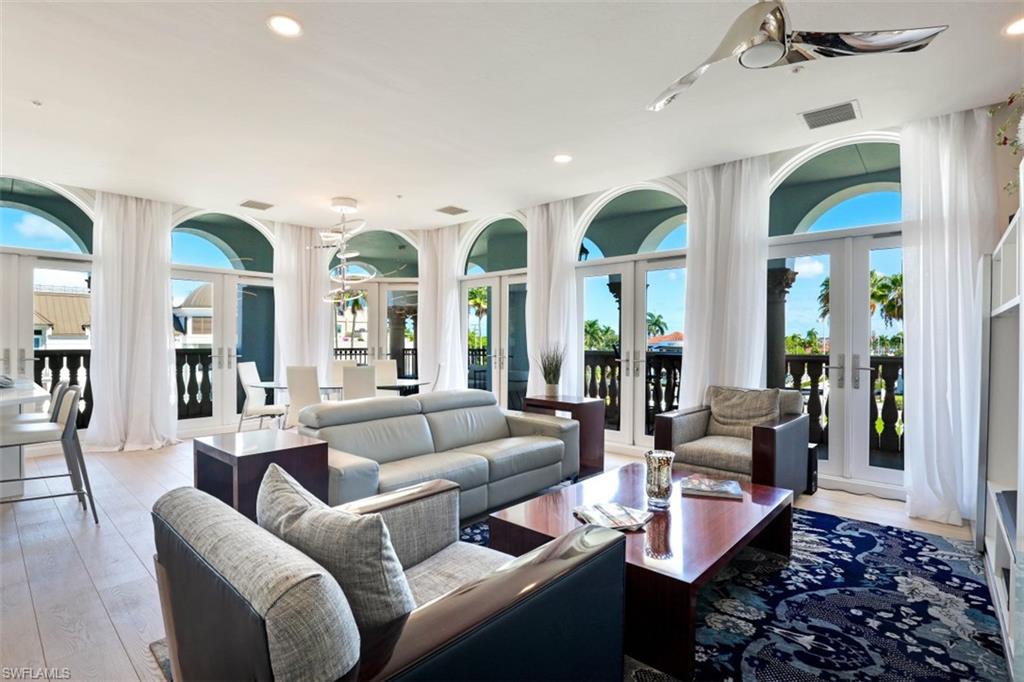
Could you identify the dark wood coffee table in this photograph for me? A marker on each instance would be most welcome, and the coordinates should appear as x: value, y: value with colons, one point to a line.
x: 231, y: 466
x: 680, y: 550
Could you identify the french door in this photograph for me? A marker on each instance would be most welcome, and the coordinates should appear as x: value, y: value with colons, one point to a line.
x: 380, y: 324
x: 218, y: 321
x: 494, y: 322
x: 631, y: 313
x: 835, y: 332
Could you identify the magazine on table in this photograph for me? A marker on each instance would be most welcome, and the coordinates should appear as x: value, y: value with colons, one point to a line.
x: 612, y: 515
x: 695, y: 484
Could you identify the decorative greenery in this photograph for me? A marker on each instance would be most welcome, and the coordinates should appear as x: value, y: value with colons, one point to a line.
x: 551, y: 359
x: 479, y: 301
x: 597, y: 336
x: 1005, y: 136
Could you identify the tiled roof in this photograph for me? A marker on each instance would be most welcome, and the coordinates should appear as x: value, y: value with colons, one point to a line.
x: 67, y: 313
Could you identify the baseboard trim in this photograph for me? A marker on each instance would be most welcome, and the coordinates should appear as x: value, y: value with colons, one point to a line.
x: 883, y: 490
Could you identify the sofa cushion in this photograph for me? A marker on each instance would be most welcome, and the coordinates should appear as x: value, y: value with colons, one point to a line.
x: 440, y: 401
x: 735, y: 411
x: 721, y: 453
x: 510, y: 456
x: 308, y: 620
x: 791, y: 402
x: 333, y: 413
x: 454, y: 566
x: 355, y: 548
x: 455, y: 428
x: 469, y: 471
x: 382, y: 440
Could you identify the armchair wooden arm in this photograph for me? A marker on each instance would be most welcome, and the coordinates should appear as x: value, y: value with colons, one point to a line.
x: 779, y: 451
x: 557, y: 609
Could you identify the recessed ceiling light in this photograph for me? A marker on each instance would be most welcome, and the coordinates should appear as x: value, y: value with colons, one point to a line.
x: 562, y: 158
x: 284, y: 25
x: 1016, y: 28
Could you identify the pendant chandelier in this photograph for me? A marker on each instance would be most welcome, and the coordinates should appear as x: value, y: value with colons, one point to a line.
x: 337, y: 237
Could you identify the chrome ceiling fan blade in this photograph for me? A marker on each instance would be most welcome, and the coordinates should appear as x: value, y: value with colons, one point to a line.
x: 819, y: 45
x: 761, y: 26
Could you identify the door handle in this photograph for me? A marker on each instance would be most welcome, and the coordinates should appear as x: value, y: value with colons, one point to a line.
x: 842, y: 370
x: 231, y: 357
x: 219, y: 357
x: 639, y: 358
x: 625, y: 365
x: 7, y: 361
x: 857, y: 369
x: 24, y: 357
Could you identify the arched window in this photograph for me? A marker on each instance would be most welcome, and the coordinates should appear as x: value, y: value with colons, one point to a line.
x: 641, y: 221
x: 35, y: 217
x: 382, y: 254
x: 501, y: 246
x: 852, y: 186
x: 216, y: 240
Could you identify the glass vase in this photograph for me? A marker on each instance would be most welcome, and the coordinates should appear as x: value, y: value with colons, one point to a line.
x: 659, y: 478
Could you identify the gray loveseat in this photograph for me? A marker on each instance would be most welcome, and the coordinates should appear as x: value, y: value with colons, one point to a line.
x: 496, y: 457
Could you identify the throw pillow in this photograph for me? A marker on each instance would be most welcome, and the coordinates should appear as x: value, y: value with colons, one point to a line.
x: 734, y: 411
x: 355, y: 548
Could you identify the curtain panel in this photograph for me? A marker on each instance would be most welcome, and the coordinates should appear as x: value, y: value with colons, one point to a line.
x: 304, y: 323
x: 132, y: 363
x: 551, y: 302
x: 949, y: 199
x: 726, y: 278
x: 442, y: 346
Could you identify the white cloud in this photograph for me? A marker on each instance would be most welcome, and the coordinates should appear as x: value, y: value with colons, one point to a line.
x: 60, y: 278
x: 809, y: 266
x: 32, y: 226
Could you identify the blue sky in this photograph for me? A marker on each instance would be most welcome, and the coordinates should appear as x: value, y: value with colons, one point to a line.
x: 666, y: 288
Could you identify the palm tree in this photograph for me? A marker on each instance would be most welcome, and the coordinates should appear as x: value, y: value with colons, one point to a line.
x: 598, y: 337
x: 478, y: 301
x: 886, y: 292
x: 355, y: 306
x: 656, y: 325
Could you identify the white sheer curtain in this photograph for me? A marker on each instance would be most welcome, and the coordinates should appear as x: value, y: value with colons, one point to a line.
x: 726, y: 277
x: 304, y: 323
x: 441, y: 343
x: 949, y: 198
x: 132, y: 364
x: 551, y: 316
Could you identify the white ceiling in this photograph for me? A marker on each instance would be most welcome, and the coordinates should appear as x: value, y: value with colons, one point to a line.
x: 443, y: 103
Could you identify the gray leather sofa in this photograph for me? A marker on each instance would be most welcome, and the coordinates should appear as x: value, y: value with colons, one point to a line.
x: 496, y: 457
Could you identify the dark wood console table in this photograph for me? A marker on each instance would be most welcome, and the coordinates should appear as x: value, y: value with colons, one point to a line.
x: 231, y: 466
x: 589, y: 412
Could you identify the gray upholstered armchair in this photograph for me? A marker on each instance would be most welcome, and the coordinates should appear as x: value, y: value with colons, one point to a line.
x: 241, y: 603
x: 756, y: 435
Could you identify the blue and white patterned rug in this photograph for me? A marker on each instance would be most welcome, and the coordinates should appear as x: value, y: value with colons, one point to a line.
x: 858, y: 601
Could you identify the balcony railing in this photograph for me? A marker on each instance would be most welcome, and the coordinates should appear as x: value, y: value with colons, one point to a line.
x: 602, y: 378
x: 72, y: 366
x: 809, y: 373
x: 192, y: 375
x: 408, y: 368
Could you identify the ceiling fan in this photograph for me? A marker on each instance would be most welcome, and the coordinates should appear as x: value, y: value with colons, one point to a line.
x: 761, y: 38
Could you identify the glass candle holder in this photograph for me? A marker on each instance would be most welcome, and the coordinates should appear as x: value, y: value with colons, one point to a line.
x: 659, y: 478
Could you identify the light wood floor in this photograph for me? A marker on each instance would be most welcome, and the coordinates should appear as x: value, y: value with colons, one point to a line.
x: 82, y: 596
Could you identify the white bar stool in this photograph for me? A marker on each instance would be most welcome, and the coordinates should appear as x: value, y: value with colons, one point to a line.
x: 64, y: 430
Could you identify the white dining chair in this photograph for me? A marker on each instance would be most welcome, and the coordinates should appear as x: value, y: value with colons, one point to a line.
x: 303, y: 390
x: 337, y: 372
x: 387, y: 374
x: 255, y: 398
x: 360, y: 382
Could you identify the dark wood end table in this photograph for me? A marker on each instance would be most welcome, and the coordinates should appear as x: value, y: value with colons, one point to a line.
x: 589, y: 412
x: 231, y: 466
x: 679, y: 550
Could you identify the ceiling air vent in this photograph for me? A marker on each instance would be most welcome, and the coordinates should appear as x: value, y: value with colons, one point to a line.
x: 839, y: 113
x: 258, y: 205
x: 452, y: 210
